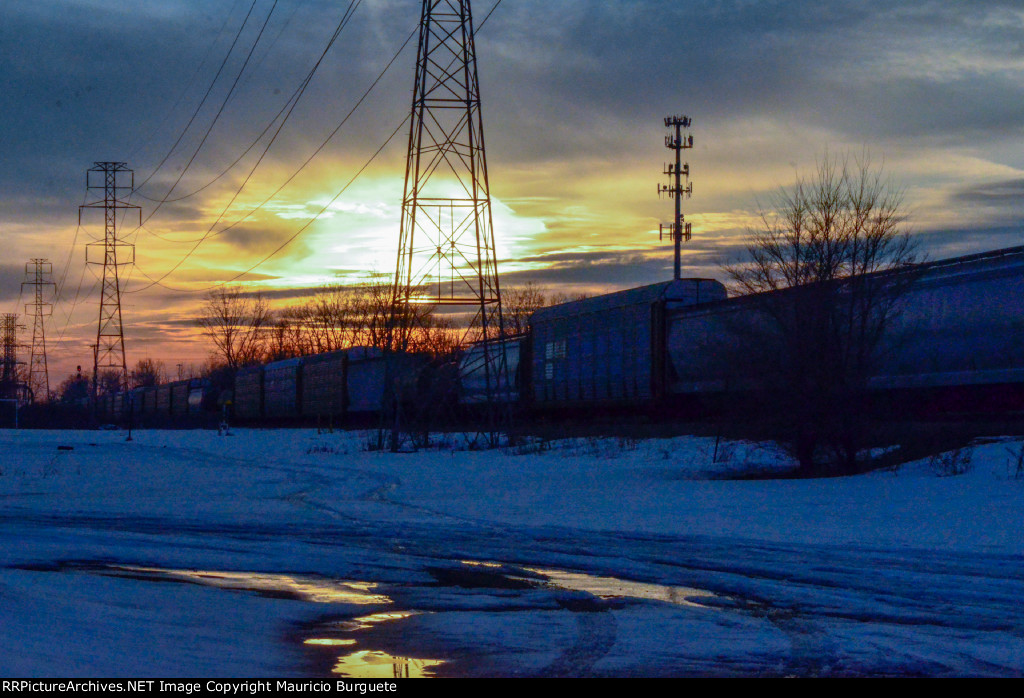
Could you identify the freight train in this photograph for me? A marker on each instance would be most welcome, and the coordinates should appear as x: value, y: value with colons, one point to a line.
x: 958, y: 338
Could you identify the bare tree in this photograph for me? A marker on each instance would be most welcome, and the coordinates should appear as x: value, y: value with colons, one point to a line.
x: 828, y: 251
x: 518, y: 304
x: 328, y: 321
x: 283, y: 338
x: 146, y: 373
x: 109, y: 382
x: 234, y: 320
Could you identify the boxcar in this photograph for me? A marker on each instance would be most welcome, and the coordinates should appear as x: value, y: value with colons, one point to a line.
x: 609, y: 349
x: 248, y: 395
x: 366, y: 379
x: 282, y: 389
x: 957, y: 324
x: 179, y: 398
x: 149, y: 401
x: 499, y: 377
x: 324, y: 379
x: 163, y: 400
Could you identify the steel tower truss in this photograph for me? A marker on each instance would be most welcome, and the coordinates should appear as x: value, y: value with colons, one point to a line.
x: 446, y: 253
x: 116, y: 181
x: 10, y: 383
x: 38, y: 272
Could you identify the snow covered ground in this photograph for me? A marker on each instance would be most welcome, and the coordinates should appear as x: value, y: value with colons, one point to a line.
x: 292, y: 553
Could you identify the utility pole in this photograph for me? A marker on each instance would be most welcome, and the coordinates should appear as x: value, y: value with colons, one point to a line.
x: 678, y: 230
x: 116, y: 181
x: 38, y: 272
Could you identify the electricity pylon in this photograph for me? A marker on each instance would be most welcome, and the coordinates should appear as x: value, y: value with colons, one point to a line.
x: 10, y: 382
x: 38, y: 379
x: 116, y: 181
x: 446, y: 250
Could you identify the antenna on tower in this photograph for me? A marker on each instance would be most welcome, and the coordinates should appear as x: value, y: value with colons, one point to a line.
x: 37, y: 273
x: 679, y: 229
x: 116, y: 180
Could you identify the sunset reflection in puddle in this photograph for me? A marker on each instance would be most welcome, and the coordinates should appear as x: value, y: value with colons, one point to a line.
x: 372, y: 664
x: 369, y: 664
x: 611, y: 588
x: 310, y: 589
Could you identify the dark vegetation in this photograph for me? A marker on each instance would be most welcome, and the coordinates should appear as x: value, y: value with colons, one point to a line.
x: 818, y: 273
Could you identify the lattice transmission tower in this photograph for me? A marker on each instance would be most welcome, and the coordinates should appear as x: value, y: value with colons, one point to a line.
x: 37, y: 274
x: 116, y: 181
x: 10, y: 381
x: 446, y: 251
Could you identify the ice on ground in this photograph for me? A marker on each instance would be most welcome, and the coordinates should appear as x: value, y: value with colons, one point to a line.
x: 185, y: 553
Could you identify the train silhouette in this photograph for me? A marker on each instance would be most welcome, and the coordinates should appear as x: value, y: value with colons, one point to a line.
x: 957, y: 344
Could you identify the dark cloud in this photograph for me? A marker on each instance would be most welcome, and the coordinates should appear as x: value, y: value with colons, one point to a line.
x: 11, y: 276
x: 612, y: 269
x: 943, y: 244
x: 995, y: 193
x: 578, y: 84
x: 993, y: 203
x: 102, y: 81
x: 601, y: 73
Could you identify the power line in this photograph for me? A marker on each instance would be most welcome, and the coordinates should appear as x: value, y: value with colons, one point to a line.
x: 38, y: 378
x: 154, y: 282
x: 185, y: 90
x: 316, y: 152
x: 206, y: 96
x: 216, y: 117
x: 288, y: 106
x: 210, y: 231
x: 341, y: 25
x: 108, y: 352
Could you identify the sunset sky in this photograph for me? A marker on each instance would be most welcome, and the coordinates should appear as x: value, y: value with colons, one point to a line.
x: 574, y: 96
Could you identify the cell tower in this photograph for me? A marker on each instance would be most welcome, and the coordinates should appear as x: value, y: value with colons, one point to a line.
x: 10, y: 384
x: 679, y: 229
x: 116, y: 181
x: 38, y: 272
x: 446, y: 251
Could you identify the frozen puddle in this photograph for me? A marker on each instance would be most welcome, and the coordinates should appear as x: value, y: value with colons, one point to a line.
x: 369, y: 664
x: 381, y: 665
x: 608, y: 587
x: 358, y: 664
x: 312, y: 589
x: 613, y: 588
x: 349, y: 644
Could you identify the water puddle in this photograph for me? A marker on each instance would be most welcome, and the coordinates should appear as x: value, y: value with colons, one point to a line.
x: 303, y: 588
x: 360, y: 664
x: 365, y: 663
x: 369, y: 664
x: 613, y: 588
x: 346, y: 646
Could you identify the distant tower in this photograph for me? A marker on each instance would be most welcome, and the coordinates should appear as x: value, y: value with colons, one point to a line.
x: 38, y: 272
x: 678, y: 230
x: 10, y: 383
x: 446, y: 251
x: 116, y: 181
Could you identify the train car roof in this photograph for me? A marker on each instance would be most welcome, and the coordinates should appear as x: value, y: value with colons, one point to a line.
x: 666, y: 290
